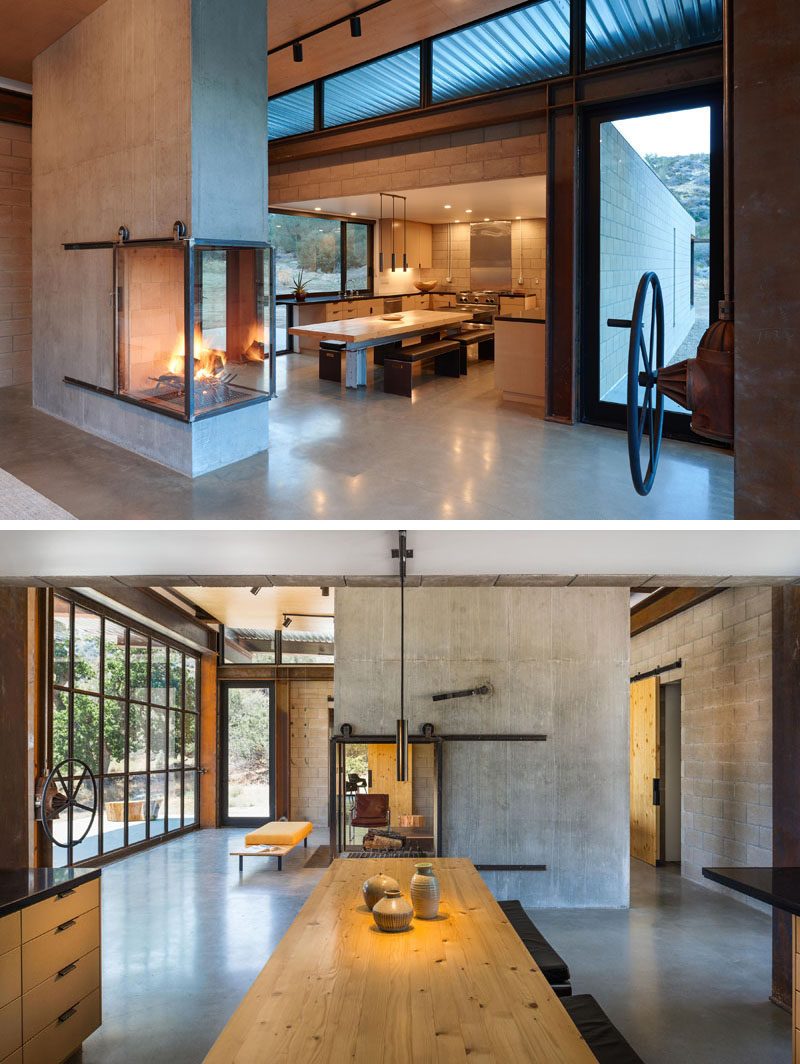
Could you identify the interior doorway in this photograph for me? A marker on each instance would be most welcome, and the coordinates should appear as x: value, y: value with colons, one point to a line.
x: 247, y: 752
x: 655, y: 771
x: 671, y: 770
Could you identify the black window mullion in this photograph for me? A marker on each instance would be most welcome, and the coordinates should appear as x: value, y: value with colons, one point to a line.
x: 147, y: 761
x: 126, y: 792
x: 319, y: 104
x: 101, y: 738
x: 343, y: 256
x: 426, y: 72
x: 71, y: 715
x: 577, y: 28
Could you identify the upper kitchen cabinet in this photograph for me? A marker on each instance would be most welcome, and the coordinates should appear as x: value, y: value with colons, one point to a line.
x: 419, y: 244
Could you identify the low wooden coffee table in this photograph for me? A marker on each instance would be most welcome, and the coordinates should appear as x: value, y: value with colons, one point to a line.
x: 261, y: 851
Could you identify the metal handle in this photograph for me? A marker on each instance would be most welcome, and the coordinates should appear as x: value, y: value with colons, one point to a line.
x: 619, y: 323
x: 65, y: 971
x: 66, y: 893
x: 656, y: 792
x: 64, y: 926
x: 66, y: 1015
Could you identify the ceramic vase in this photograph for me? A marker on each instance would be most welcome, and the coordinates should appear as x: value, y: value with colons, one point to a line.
x: 392, y: 912
x: 375, y: 886
x: 425, y: 891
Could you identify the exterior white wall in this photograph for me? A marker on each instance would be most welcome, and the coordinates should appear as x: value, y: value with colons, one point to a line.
x: 642, y: 227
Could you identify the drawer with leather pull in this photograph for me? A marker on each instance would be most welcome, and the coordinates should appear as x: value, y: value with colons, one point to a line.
x: 50, y: 953
x: 66, y: 1033
x: 10, y: 1028
x: 10, y: 976
x: 10, y: 936
x: 66, y: 905
x: 50, y: 999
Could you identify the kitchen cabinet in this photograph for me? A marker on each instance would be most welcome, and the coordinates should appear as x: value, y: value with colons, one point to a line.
x: 519, y: 362
x: 419, y: 244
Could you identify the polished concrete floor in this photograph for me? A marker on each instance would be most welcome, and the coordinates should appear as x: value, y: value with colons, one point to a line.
x: 684, y: 973
x: 455, y: 451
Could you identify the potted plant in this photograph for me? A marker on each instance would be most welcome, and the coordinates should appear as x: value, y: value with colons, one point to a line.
x: 299, y: 286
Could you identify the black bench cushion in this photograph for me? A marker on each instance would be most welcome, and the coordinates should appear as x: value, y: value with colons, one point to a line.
x: 598, y: 1031
x: 553, y: 967
x: 475, y: 336
x: 421, y: 352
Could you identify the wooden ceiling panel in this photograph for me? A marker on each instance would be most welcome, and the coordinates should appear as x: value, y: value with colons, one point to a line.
x: 30, y: 26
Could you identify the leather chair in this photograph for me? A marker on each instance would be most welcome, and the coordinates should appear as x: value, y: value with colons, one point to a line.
x: 371, y: 811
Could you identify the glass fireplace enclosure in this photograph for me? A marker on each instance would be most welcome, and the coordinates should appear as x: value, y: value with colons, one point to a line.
x: 195, y: 325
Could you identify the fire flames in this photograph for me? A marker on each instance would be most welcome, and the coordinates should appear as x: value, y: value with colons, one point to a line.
x: 208, y: 362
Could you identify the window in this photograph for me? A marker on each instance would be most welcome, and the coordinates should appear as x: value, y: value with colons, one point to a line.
x: 622, y: 29
x: 291, y: 113
x: 376, y: 88
x: 523, y: 46
x: 333, y: 255
x: 126, y: 704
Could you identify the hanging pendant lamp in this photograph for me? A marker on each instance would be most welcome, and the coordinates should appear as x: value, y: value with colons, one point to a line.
x: 402, y: 724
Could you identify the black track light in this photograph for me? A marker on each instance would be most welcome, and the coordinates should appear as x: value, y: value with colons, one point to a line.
x: 355, y: 26
x: 325, y: 591
x: 254, y: 590
x: 297, y: 52
x: 287, y: 620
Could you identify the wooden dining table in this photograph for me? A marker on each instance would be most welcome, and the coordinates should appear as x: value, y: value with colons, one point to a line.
x: 360, y: 334
x: 461, y: 986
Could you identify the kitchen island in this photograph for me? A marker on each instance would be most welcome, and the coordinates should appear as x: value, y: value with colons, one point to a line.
x: 519, y: 359
x: 338, y: 989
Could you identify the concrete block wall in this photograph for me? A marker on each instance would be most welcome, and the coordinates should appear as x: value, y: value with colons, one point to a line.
x: 15, y: 254
x: 725, y: 645
x: 308, y: 750
x: 642, y: 227
x: 558, y: 661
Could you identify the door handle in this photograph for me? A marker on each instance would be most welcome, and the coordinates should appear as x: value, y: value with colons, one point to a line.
x: 64, y: 926
x: 66, y: 893
x: 65, y: 971
x: 656, y: 792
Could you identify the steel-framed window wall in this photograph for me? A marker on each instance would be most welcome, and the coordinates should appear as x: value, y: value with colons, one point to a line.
x: 344, y: 223
x: 125, y: 700
x: 600, y: 33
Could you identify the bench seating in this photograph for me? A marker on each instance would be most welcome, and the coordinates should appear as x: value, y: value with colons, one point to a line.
x: 280, y: 833
x: 484, y: 338
x: 599, y: 1033
x: 398, y: 366
x: 552, y: 966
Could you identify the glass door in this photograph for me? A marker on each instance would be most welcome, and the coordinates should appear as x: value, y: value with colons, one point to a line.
x: 247, y: 752
x: 653, y: 203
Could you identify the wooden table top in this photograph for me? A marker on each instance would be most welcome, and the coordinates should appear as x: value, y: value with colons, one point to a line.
x: 373, y: 327
x: 337, y: 989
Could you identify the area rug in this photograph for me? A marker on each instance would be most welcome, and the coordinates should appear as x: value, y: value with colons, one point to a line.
x: 320, y: 858
x: 18, y: 502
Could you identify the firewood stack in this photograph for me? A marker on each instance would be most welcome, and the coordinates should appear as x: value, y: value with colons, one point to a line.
x: 383, y: 839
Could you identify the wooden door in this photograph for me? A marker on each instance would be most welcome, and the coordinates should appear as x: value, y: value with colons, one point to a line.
x: 382, y: 763
x: 645, y: 761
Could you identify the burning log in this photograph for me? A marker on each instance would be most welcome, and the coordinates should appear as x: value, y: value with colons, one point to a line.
x: 254, y: 353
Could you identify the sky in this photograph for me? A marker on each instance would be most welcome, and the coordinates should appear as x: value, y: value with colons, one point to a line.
x: 674, y: 133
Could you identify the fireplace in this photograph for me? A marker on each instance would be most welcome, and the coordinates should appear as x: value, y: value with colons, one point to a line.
x: 194, y: 324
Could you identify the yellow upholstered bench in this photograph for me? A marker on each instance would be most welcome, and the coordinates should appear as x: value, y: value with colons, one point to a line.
x: 274, y: 839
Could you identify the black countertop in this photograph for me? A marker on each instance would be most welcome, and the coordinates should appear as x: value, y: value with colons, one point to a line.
x: 776, y: 886
x: 335, y: 297
x: 518, y: 317
x: 20, y: 887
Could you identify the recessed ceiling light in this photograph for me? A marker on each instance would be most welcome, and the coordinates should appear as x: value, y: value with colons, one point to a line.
x: 447, y: 206
x: 486, y: 219
x: 519, y: 217
x: 457, y: 220
x: 318, y: 208
x: 353, y: 214
x: 468, y: 210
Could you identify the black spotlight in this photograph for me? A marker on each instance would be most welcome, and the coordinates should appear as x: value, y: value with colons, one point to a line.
x: 355, y: 26
x: 325, y: 592
x: 254, y: 590
x: 287, y: 620
x: 297, y: 52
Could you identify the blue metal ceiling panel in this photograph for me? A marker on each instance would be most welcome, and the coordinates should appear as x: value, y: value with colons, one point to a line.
x: 291, y: 113
x: 376, y: 88
x: 524, y: 46
x: 620, y: 29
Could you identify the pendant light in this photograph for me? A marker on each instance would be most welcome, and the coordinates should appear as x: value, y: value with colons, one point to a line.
x: 402, y: 554
x: 405, y: 242
x: 380, y: 239
x: 394, y: 263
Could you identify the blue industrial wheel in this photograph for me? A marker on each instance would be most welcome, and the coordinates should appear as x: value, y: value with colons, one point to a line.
x: 61, y: 793
x: 645, y: 359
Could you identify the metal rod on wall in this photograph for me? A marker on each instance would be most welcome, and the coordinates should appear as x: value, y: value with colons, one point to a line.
x: 656, y: 672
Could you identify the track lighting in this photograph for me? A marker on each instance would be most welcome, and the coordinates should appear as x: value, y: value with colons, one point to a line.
x: 254, y: 590
x: 325, y: 591
x: 297, y: 52
x: 355, y: 26
x: 287, y: 620
x: 355, y: 30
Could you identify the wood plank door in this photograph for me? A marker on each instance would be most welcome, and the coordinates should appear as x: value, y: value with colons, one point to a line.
x: 382, y: 764
x: 645, y: 762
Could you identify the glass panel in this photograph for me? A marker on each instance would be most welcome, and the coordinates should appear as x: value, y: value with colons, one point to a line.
x: 620, y: 29
x: 158, y: 738
x: 174, y: 807
x: 191, y: 683
x: 189, y: 741
x: 189, y: 798
x: 306, y: 647
x: 282, y: 337
x: 114, y: 664
x: 248, y: 646
x: 357, y: 257
x: 84, y: 823
x: 137, y: 738
x: 307, y: 250
x: 654, y: 198
x: 518, y: 48
x: 86, y: 730
x: 174, y: 739
x: 158, y: 805
x: 87, y: 650
x: 377, y: 88
x: 291, y: 113
x: 113, y: 813
x: 60, y: 727
x: 61, y: 641
x: 139, y: 679
x: 137, y: 808
x: 113, y: 736
x: 176, y: 679
x: 158, y: 671
x: 248, y: 752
